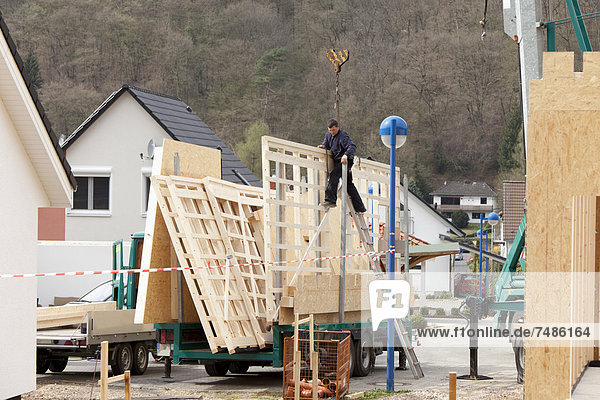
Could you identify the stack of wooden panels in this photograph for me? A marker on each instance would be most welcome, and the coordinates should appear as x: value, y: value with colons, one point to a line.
x: 295, y: 177
x: 69, y: 314
x: 214, y: 227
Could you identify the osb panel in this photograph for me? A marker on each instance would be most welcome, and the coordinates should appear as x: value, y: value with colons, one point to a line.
x: 562, y: 144
x: 321, y: 293
x: 194, y: 162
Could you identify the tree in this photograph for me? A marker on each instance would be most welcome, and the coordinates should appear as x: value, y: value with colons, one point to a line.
x: 32, y: 68
x: 508, y: 159
x: 269, y: 73
x: 460, y: 218
x: 249, y: 151
x: 419, y: 185
x: 240, y: 61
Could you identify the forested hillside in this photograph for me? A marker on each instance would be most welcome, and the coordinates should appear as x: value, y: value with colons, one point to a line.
x: 259, y: 65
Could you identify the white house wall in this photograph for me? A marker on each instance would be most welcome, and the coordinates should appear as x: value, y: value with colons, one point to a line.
x: 115, y: 140
x: 23, y: 194
x: 428, y: 227
x: 59, y: 256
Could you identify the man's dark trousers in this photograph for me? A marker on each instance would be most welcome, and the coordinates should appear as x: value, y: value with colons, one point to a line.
x: 332, y: 186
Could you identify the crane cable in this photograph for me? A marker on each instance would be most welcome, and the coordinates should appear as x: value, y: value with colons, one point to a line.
x: 483, y: 21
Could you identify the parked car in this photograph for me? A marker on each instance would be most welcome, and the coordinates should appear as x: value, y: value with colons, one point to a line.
x: 466, y: 284
x: 102, y: 292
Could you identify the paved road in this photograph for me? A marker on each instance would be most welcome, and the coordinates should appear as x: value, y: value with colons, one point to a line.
x: 437, y: 362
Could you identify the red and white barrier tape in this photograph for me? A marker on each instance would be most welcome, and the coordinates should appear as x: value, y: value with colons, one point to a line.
x: 167, y: 269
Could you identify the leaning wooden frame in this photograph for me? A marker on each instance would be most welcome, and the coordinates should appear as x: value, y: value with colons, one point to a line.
x: 213, y: 225
x: 297, y: 228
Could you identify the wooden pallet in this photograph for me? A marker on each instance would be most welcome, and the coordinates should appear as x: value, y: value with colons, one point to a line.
x: 210, y: 223
x: 295, y: 177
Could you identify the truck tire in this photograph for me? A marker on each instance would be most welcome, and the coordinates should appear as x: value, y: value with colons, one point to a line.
x: 352, y: 357
x: 122, y: 359
x: 42, y: 362
x: 364, y: 359
x: 140, y: 358
x: 218, y: 368
x: 58, y: 364
x: 239, y: 367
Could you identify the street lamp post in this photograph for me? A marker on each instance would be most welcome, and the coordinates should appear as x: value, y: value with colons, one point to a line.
x: 475, y: 305
x: 393, y: 132
x: 492, y: 219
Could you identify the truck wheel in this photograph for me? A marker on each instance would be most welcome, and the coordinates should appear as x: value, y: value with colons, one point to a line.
x: 58, y: 364
x: 140, y: 358
x: 364, y: 358
x: 42, y: 362
x: 122, y: 359
x: 352, y: 357
x: 239, y: 367
x: 218, y: 368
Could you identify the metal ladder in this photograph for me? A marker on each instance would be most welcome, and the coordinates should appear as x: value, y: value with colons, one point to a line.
x: 363, y: 232
x: 411, y: 357
x: 401, y: 331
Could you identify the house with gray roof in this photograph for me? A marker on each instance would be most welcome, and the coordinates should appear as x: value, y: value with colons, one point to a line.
x: 109, y: 159
x: 108, y: 154
x: 180, y: 122
x: 474, y: 198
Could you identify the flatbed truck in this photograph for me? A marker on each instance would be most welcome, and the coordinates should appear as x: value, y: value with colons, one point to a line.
x: 129, y: 343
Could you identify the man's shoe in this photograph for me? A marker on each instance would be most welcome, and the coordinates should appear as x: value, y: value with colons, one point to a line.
x: 364, y: 210
x: 328, y: 204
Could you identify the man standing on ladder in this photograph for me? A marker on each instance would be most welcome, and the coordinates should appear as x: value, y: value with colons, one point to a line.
x: 342, y: 149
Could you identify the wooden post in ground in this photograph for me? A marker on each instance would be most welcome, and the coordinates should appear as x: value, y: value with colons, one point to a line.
x: 127, y: 380
x: 104, y: 371
x: 314, y: 356
x: 105, y: 380
x: 452, y: 386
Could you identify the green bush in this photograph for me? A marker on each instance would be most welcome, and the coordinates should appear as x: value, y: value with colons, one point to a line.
x: 430, y: 296
x: 440, y: 312
x: 418, y: 322
x: 454, y: 311
x: 460, y: 219
x: 425, y: 311
x: 445, y: 295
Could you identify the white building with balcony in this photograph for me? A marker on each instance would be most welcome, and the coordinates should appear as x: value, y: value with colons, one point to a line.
x: 474, y: 198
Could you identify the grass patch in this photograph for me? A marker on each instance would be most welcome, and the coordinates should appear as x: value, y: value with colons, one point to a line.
x: 376, y: 394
